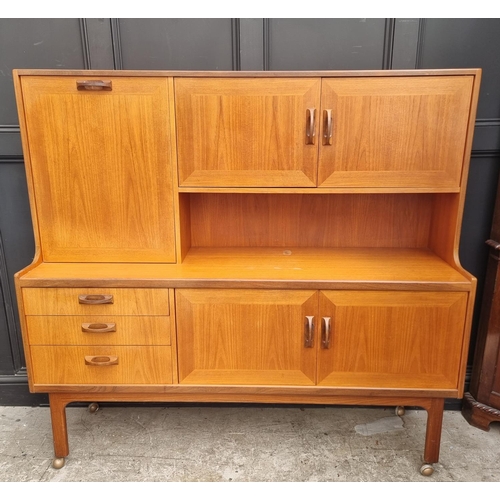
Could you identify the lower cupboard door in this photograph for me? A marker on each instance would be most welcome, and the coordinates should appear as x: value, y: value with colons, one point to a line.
x: 391, y: 339
x: 247, y: 337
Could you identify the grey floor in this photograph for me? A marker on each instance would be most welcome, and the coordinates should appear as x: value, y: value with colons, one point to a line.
x: 223, y: 444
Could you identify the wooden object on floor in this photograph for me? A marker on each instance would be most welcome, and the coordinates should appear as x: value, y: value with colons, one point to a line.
x: 481, y: 404
x: 244, y: 237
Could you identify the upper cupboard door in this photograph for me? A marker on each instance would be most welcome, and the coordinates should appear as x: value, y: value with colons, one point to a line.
x: 241, y: 132
x: 394, y: 131
x: 101, y: 166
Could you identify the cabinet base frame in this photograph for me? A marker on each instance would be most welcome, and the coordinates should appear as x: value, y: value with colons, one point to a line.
x: 433, y: 406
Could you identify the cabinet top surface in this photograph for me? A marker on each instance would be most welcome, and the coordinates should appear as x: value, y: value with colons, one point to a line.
x: 246, y: 74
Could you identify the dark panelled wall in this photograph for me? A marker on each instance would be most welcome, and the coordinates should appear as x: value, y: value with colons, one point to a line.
x: 234, y: 44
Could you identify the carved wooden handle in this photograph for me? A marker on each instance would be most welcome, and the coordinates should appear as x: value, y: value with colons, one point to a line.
x: 310, y: 126
x: 327, y: 127
x: 326, y: 327
x: 98, y: 327
x: 101, y: 360
x: 309, y: 331
x: 94, y: 85
x: 95, y: 299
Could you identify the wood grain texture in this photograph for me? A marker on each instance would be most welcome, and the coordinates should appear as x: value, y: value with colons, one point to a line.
x: 130, y: 330
x: 245, y: 132
x: 311, y: 268
x: 396, y: 132
x: 64, y: 301
x: 136, y: 365
x: 95, y: 158
x: 253, y: 74
x: 346, y: 220
x: 244, y: 337
x: 388, y: 339
x: 246, y: 393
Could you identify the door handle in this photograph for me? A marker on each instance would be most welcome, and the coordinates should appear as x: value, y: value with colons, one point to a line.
x: 95, y: 299
x: 327, y: 127
x: 94, y: 85
x: 98, y: 327
x: 101, y: 360
x: 326, y: 327
x: 310, y: 126
x: 309, y: 331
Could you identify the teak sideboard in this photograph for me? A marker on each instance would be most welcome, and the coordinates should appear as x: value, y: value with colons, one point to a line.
x: 262, y: 237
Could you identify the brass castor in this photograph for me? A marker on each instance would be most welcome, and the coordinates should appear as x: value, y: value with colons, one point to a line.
x: 426, y: 470
x: 400, y: 411
x: 93, y: 407
x: 58, y: 462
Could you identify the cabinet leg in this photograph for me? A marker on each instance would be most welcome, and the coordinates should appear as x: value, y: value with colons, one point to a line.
x: 433, y: 432
x: 59, y: 429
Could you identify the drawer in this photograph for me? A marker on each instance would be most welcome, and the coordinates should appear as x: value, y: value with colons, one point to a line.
x: 96, y: 301
x: 98, y: 330
x: 132, y: 365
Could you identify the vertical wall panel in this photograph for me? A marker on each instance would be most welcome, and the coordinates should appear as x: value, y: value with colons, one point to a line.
x: 24, y: 43
x: 17, y: 242
x: 459, y: 43
x: 35, y: 43
x: 177, y: 44
x: 321, y: 44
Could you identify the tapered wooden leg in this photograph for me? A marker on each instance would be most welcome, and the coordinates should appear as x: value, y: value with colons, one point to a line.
x: 59, y: 429
x: 433, y: 433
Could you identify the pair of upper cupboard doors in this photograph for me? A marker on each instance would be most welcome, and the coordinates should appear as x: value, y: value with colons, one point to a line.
x: 382, y: 132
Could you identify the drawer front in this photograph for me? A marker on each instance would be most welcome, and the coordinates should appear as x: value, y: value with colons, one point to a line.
x: 98, y: 330
x: 90, y: 301
x: 70, y: 365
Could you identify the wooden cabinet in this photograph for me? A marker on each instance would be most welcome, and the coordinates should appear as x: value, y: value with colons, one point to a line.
x: 247, y: 237
x: 481, y: 404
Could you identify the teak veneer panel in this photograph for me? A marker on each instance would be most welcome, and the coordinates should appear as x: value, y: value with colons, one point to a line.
x: 96, y: 157
x: 233, y: 132
x: 136, y: 365
x: 296, y: 220
x: 395, y: 132
x: 129, y: 330
x: 358, y: 268
x: 65, y: 301
x: 244, y: 337
x: 390, y: 339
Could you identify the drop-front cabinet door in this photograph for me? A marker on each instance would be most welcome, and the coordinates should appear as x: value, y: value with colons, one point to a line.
x: 246, y: 336
x: 394, y: 131
x: 391, y: 339
x: 100, y: 150
x: 247, y: 132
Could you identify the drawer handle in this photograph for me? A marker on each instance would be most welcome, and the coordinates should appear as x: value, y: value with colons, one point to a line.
x: 95, y: 299
x: 98, y: 327
x: 94, y: 85
x: 326, y: 328
x: 310, y: 126
x: 309, y: 331
x: 101, y: 360
x: 327, y: 127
